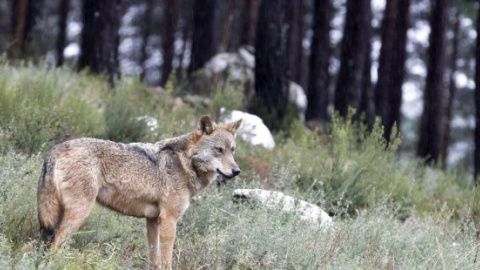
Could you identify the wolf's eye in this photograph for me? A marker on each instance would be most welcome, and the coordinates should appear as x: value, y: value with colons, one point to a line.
x: 233, y: 149
x: 219, y: 150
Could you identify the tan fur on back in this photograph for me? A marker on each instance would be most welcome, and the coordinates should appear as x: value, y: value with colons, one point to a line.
x: 152, y: 181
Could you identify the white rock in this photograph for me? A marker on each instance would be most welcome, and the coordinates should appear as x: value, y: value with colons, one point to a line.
x: 253, y: 129
x: 218, y: 63
x: 274, y: 199
x: 239, y: 67
x: 297, y: 96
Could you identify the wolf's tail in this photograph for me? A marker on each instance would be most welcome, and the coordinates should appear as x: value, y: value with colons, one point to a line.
x: 48, y: 199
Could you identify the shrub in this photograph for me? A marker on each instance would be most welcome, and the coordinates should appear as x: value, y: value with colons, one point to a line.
x: 348, y: 168
x: 42, y: 105
x: 35, y: 129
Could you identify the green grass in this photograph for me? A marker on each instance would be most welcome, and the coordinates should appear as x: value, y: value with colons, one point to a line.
x: 390, y: 213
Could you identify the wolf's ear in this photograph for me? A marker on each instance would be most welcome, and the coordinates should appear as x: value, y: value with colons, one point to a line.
x: 205, y: 126
x: 233, y: 127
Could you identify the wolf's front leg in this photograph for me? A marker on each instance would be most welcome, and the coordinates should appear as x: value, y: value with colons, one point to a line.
x: 153, y: 243
x: 168, y: 229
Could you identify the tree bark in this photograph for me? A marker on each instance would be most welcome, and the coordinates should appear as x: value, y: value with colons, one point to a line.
x: 385, y: 64
x: 146, y: 32
x: 353, y: 56
x: 203, y: 39
x: 62, y: 30
x: 365, y: 110
x: 21, y: 26
x: 318, y: 81
x: 477, y: 106
x: 452, y: 89
x: 431, y: 121
x: 25, y: 15
x: 300, y: 74
x: 249, y: 16
x: 391, y: 71
x: 100, y: 38
x: 186, y: 35
x: 271, y: 92
x: 169, y: 39
x: 291, y: 13
x: 398, y: 67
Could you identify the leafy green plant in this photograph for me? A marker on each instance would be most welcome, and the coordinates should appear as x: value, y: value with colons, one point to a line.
x: 35, y: 129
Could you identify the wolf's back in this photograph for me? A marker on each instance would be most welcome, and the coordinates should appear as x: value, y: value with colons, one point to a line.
x: 49, y: 208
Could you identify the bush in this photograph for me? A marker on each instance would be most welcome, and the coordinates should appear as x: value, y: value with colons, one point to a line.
x: 121, y: 119
x: 35, y: 129
x: 348, y: 168
x: 42, y: 105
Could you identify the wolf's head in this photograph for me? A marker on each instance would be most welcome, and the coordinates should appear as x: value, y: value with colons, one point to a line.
x: 214, y: 146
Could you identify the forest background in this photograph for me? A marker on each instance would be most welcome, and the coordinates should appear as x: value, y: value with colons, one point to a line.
x: 74, y: 68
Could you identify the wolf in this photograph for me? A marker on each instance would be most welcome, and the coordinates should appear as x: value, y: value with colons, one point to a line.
x: 151, y: 181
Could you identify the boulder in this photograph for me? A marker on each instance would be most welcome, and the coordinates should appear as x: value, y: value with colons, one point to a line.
x: 277, y: 200
x: 238, y: 68
x: 253, y: 129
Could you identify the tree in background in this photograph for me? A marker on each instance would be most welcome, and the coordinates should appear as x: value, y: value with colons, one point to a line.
x: 62, y: 30
x: 353, y: 56
x: 318, y: 80
x: 398, y: 69
x: 271, y: 92
x: 100, y: 39
x: 431, y: 122
x: 146, y: 33
x: 168, y: 39
x: 365, y: 107
x: 203, y: 45
x: 22, y: 22
x: 301, y: 63
x: 249, y: 19
x: 391, y: 70
x: 290, y: 24
x: 452, y: 88
x: 476, y: 152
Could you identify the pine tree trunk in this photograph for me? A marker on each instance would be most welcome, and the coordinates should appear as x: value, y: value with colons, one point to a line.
x: 477, y: 106
x: 203, y: 39
x: 365, y: 111
x: 25, y: 14
x: 291, y: 9
x: 431, y: 122
x: 100, y: 38
x: 452, y: 89
x: 20, y: 29
x: 249, y: 18
x: 382, y: 88
x: 62, y: 30
x: 300, y: 73
x: 169, y: 40
x: 146, y: 32
x: 399, y: 58
x: 318, y: 82
x: 271, y: 93
x: 353, y: 55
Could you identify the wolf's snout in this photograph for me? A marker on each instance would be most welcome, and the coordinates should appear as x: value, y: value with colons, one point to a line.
x: 236, y: 171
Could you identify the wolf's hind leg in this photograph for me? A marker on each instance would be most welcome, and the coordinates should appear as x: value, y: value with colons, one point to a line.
x: 73, y: 216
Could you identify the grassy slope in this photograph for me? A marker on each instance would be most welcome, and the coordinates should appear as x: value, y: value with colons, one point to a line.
x: 390, y: 214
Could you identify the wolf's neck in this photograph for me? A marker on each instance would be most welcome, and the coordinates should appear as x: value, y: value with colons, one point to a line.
x: 177, y: 144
